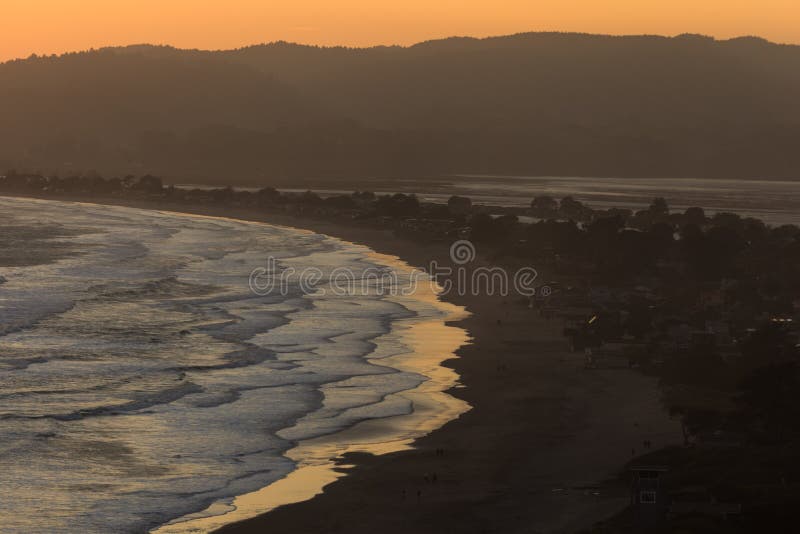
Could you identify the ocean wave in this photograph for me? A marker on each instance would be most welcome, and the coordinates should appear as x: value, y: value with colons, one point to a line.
x: 146, y: 374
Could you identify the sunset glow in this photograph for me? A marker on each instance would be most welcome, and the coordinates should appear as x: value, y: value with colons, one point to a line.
x: 56, y: 26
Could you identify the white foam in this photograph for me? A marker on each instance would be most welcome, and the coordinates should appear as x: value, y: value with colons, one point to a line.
x: 141, y: 379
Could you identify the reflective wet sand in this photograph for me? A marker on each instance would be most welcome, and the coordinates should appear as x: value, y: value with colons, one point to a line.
x: 430, y: 343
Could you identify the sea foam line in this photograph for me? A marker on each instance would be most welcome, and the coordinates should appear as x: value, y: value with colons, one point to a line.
x: 431, y: 341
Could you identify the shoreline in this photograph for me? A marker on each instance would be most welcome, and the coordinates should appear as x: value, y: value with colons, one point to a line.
x: 533, y: 454
x: 315, y: 459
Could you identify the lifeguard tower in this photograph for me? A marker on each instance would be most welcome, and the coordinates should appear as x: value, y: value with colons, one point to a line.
x: 649, y: 496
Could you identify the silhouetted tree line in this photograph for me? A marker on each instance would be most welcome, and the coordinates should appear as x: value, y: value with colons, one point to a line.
x: 614, y: 244
x: 611, y: 245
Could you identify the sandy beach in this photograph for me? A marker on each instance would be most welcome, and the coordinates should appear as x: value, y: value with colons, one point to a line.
x: 538, y: 451
x: 535, y: 454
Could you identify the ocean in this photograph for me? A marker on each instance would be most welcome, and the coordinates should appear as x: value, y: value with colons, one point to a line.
x: 143, y: 381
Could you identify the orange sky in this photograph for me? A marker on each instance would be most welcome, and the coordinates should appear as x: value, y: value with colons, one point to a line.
x: 54, y: 26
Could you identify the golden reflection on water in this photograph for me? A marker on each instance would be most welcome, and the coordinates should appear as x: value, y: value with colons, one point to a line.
x: 430, y: 342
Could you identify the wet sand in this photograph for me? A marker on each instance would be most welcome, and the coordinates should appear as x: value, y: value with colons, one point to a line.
x: 535, y: 453
x: 430, y: 341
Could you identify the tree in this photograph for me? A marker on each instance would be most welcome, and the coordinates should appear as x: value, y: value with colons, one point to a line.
x: 148, y: 184
x: 268, y: 195
x: 544, y: 206
x: 662, y: 237
x: 711, y: 254
x: 570, y: 208
x: 342, y: 202
x: 459, y: 205
x: 561, y: 237
x: 695, y: 216
x: 727, y: 220
x: 506, y: 225
x: 397, y: 205
x: 603, y: 236
x: 772, y: 394
x: 310, y: 197
x: 482, y: 225
x: 659, y: 207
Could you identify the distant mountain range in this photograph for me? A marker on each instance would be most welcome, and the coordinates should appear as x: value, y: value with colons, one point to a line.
x: 535, y: 104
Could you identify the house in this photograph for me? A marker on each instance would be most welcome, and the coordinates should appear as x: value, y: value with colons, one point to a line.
x: 649, y: 496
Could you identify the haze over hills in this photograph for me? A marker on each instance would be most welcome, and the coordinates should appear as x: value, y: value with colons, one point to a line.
x: 537, y: 104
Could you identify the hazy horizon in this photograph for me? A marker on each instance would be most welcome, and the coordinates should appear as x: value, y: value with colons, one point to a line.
x: 38, y: 27
x: 390, y: 45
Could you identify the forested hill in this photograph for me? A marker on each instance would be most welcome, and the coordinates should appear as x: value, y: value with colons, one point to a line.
x: 542, y: 103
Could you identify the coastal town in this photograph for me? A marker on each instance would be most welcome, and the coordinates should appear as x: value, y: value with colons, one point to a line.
x: 707, y: 303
